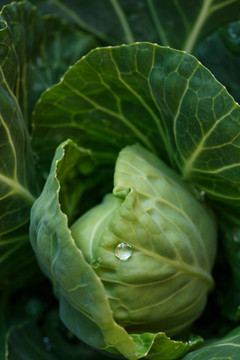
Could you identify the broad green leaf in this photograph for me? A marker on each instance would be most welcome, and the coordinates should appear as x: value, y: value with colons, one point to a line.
x: 227, y: 348
x: 179, y: 24
x: 160, y: 97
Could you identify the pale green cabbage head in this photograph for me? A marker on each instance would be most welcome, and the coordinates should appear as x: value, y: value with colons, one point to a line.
x: 134, y: 268
x: 152, y: 244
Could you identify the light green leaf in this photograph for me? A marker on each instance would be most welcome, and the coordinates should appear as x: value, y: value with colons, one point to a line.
x: 56, y: 250
x: 228, y: 348
x: 76, y: 283
x: 162, y: 347
x: 162, y: 98
x: 148, y: 20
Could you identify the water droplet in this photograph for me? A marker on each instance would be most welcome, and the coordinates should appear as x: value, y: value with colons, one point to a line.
x: 106, y: 122
x: 231, y: 36
x: 198, y: 194
x: 236, y: 238
x: 232, y: 32
x: 133, y: 17
x: 123, y: 251
x: 47, y: 344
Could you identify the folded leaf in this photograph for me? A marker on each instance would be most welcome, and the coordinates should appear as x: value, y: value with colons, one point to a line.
x: 84, y: 306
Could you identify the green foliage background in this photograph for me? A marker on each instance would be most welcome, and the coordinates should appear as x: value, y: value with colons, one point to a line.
x: 39, y: 40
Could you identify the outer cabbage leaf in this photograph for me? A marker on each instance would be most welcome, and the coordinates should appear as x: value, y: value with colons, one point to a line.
x: 171, y: 234
x: 163, y: 98
x: 76, y: 283
x: 17, y: 174
x: 228, y: 348
x: 44, y: 48
x: 28, y: 42
x: 147, y: 20
x: 48, y: 222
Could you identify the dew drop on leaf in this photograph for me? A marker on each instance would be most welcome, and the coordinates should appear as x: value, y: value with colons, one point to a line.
x: 123, y: 251
x: 47, y: 344
x: 236, y: 238
x: 200, y: 195
x: 233, y: 33
x: 231, y: 37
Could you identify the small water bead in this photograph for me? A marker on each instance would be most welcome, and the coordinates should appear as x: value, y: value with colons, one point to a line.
x: 46, y: 341
x: 236, y: 238
x: 231, y: 36
x: 123, y: 251
x: 200, y: 195
x: 233, y: 32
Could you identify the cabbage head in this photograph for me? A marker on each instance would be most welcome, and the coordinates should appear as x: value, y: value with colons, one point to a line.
x: 137, y: 264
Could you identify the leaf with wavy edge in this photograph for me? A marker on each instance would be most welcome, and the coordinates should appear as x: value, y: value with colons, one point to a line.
x: 155, y: 95
x: 77, y: 284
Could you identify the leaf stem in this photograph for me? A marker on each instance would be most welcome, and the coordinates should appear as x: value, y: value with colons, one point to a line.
x: 157, y: 23
x: 82, y: 24
x: 126, y: 28
x: 191, y: 40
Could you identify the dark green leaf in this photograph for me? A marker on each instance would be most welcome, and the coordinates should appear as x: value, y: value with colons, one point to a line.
x: 34, y: 53
x: 24, y: 342
x: 230, y: 237
x: 160, y: 97
x: 45, y: 47
x: 17, y: 175
x: 227, y: 348
x: 29, y: 342
x: 179, y: 24
x: 16, y: 256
